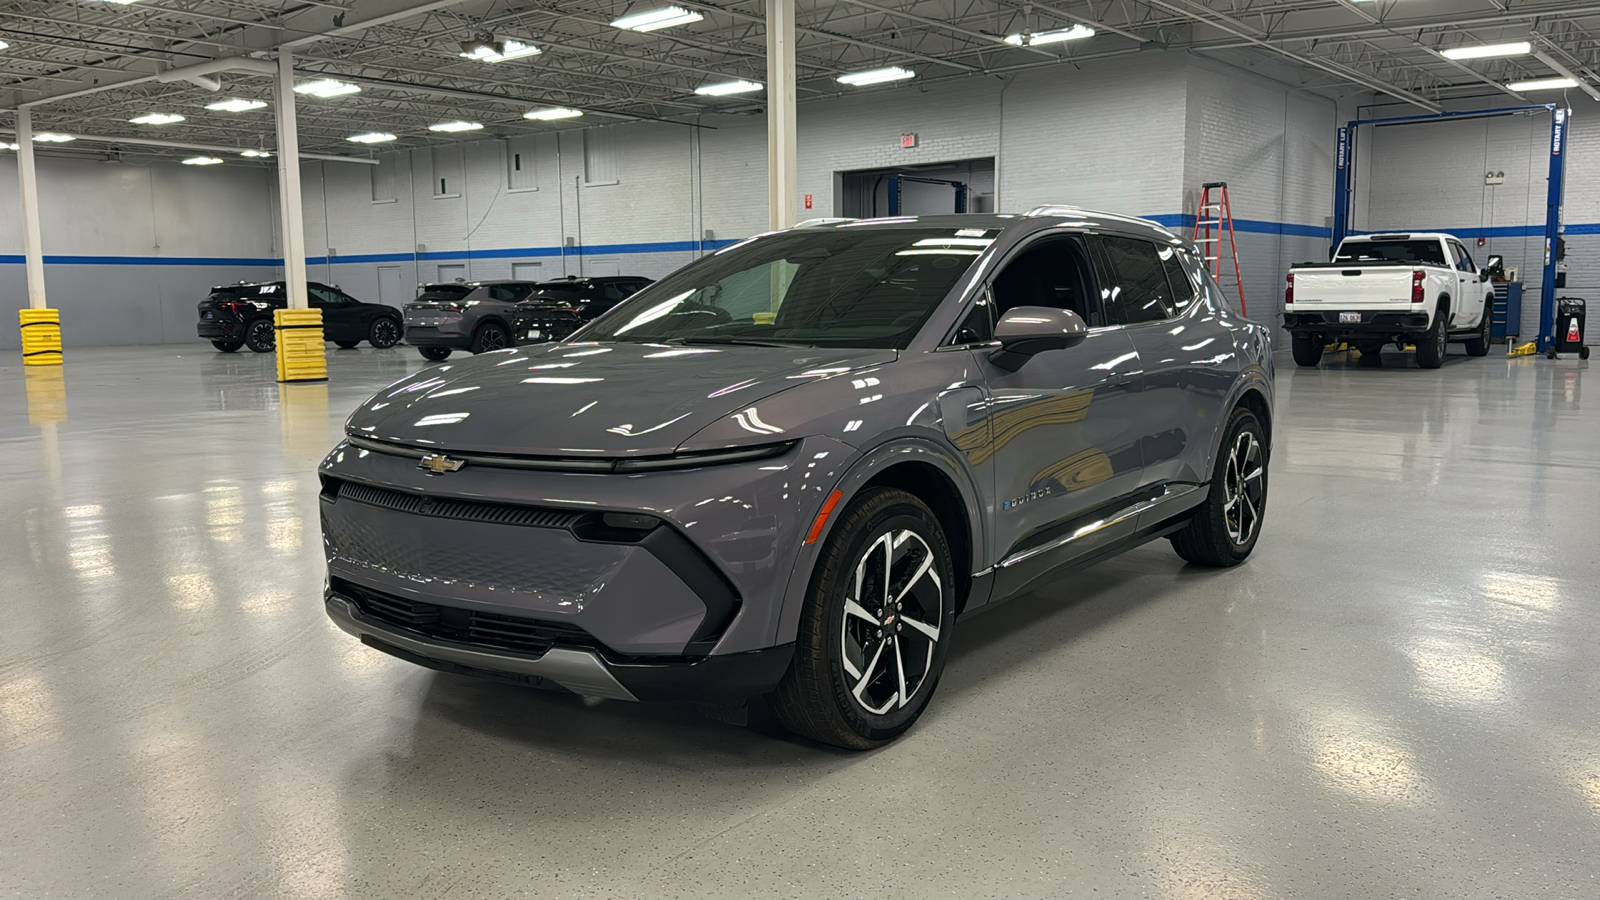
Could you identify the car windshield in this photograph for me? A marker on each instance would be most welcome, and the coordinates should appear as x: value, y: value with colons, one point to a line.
x: 445, y: 292
x: 1428, y: 253
x: 854, y: 286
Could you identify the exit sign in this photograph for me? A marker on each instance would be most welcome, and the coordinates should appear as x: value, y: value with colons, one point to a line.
x: 908, y: 140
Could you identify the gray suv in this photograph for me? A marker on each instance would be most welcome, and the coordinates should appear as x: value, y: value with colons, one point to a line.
x: 794, y: 467
x: 478, y: 315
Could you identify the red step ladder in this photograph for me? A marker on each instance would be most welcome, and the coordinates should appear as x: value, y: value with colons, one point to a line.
x: 1213, y: 228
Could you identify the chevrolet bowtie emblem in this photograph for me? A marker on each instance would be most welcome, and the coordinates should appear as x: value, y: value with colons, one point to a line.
x: 438, y: 464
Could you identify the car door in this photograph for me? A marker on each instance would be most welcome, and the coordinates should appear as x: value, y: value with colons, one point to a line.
x: 1469, y: 302
x: 1184, y: 354
x: 341, y: 320
x: 1063, y: 448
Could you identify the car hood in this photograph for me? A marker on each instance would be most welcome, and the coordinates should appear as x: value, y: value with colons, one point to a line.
x: 577, y: 400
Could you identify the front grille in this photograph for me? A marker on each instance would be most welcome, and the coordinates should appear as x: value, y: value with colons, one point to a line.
x: 464, y: 510
x: 464, y: 626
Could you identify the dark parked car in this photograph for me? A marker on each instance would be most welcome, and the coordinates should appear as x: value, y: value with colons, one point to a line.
x: 558, y: 308
x: 792, y: 467
x: 240, y: 315
x: 476, y: 315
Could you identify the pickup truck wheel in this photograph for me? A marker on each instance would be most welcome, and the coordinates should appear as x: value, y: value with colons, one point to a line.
x: 261, y: 336
x: 1225, y: 528
x: 875, y: 626
x: 1431, y: 349
x: 1307, y: 350
x: 1478, y: 344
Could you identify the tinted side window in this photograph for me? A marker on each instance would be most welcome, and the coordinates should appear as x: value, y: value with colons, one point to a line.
x: 323, y: 296
x: 978, y: 326
x: 1184, y: 289
x: 1138, y: 291
x: 1053, y: 272
x: 503, y: 293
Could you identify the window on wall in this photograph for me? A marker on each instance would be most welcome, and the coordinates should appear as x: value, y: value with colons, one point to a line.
x: 383, y: 178
x: 599, y: 155
x: 520, y: 175
x: 447, y: 173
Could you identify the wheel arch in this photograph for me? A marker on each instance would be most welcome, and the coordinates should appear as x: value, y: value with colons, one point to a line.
x: 929, y: 471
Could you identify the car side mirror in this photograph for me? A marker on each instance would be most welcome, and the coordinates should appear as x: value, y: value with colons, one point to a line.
x: 1025, y: 331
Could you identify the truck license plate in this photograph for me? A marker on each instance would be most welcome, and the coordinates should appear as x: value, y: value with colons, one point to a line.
x: 1347, y: 318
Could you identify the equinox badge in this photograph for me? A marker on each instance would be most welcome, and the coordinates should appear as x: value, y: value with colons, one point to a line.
x: 438, y: 464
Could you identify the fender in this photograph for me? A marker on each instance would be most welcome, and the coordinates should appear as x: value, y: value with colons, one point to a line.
x: 1255, y: 379
x: 861, y: 470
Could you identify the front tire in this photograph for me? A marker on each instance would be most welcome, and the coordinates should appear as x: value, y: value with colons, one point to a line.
x: 261, y: 336
x: 346, y: 345
x: 384, y: 333
x: 875, y: 628
x: 1431, y: 349
x: 1226, y: 527
x: 227, y: 346
x: 1478, y: 344
x: 1307, y: 349
x: 437, y: 354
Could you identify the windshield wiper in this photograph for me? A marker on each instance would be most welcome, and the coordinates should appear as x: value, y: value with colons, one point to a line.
x: 744, y: 342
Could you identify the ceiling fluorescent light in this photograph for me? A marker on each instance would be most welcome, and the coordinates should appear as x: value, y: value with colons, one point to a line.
x: 726, y: 88
x: 255, y: 154
x: 456, y: 126
x: 371, y: 137
x: 1543, y: 84
x: 877, y: 76
x: 1075, y: 33
x: 51, y: 137
x: 235, y: 104
x: 497, y: 51
x: 4, y: 45
x: 7, y: 145
x: 202, y: 161
x: 1488, y: 51
x: 327, y: 87
x: 156, y: 118
x: 551, y: 114
x: 665, y: 17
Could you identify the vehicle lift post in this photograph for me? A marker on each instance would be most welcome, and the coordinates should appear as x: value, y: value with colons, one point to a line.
x: 894, y: 191
x: 1344, y: 190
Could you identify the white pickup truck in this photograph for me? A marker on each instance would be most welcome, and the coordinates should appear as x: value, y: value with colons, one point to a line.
x: 1420, y: 289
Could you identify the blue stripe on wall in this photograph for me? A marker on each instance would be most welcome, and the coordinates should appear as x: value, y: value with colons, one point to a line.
x: 1177, y: 220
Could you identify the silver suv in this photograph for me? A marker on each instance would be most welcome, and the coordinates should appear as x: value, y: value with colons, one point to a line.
x: 476, y: 316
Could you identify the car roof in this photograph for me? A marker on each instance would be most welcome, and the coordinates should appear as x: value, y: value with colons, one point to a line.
x: 1034, y: 219
x: 1404, y: 236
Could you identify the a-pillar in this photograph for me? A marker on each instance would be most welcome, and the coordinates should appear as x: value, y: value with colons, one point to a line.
x: 302, y: 355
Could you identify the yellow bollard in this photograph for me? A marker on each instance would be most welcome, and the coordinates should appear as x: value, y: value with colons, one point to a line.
x: 301, y: 354
x: 41, y: 337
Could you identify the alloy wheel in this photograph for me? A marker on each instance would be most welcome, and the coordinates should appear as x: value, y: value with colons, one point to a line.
x: 492, y: 339
x: 384, y: 333
x: 1243, y: 488
x: 893, y: 612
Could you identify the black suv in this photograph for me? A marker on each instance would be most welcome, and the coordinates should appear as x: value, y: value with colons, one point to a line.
x: 240, y: 315
x: 557, y: 308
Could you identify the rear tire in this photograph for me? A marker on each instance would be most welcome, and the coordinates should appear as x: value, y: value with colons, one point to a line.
x: 261, y: 336
x: 1478, y: 344
x: 879, y: 608
x: 384, y: 333
x: 437, y: 354
x: 1307, y: 349
x: 347, y: 345
x: 1227, y: 525
x: 227, y: 346
x: 1432, y: 348
x: 491, y: 336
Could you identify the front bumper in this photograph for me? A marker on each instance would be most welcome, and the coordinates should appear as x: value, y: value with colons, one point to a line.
x: 580, y: 670
x: 1327, y: 323
x: 431, y: 336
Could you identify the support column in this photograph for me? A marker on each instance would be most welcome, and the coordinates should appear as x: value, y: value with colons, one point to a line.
x: 783, y: 177
x: 301, y: 353
x: 41, y: 326
x: 1552, y: 227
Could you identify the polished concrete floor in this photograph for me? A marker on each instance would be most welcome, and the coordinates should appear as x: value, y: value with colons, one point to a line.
x: 1399, y: 694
